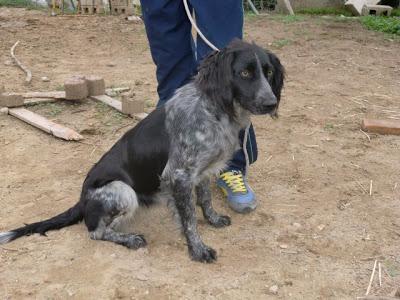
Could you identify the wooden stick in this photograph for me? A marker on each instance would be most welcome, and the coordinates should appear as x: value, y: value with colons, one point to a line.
x: 111, y: 91
x: 253, y: 8
x: 109, y: 101
x: 45, y: 124
x: 380, y: 274
x: 55, y: 95
x: 38, y: 100
x: 370, y: 188
x: 289, y: 7
x: 366, y: 134
x: 372, y: 278
x: 140, y: 116
x: 362, y: 187
x: 377, y: 298
x: 28, y: 78
x: 61, y: 94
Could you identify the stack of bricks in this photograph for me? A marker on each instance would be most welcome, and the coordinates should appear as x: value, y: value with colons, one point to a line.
x: 90, y: 7
x: 121, y: 7
x: 79, y: 87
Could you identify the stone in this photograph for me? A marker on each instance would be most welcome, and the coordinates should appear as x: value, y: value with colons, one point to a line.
x: 11, y: 100
x: 274, y: 289
x: 76, y: 88
x: 131, y: 107
x: 96, y: 85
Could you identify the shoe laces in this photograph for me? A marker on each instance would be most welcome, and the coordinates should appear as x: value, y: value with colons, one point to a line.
x: 235, y: 181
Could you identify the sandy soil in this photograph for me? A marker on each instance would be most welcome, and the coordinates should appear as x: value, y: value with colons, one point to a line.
x: 317, y: 230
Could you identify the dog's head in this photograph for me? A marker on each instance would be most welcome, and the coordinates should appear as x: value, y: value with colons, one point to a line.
x: 243, y: 73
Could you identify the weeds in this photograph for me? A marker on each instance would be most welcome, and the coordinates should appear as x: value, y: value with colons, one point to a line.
x: 20, y: 3
x: 318, y: 11
x: 329, y: 126
x: 380, y: 23
x: 395, y: 12
x: 289, y: 18
x: 281, y: 43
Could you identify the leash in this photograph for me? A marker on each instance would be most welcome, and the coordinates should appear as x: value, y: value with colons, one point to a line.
x: 189, y: 15
x: 212, y: 46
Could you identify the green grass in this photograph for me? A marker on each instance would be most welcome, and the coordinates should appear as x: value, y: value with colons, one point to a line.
x: 318, y: 11
x: 289, y: 18
x: 395, y: 12
x: 19, y: 3
x: 384, y: 24
x: 281, y: 43
x: 329, y: 126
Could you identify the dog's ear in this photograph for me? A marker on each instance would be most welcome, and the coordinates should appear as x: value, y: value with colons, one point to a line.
x: 215, y: 79
x: 277, y: 79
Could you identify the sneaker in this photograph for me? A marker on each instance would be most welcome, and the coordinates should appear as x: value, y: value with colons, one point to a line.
x: 240, y: 196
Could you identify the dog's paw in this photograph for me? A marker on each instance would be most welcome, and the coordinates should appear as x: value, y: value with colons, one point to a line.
x: 203, y: 254
x: 220, y: 221
x: 135, y: 241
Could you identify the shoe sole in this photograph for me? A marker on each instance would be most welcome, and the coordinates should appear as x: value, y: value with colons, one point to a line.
x: 239, y: 209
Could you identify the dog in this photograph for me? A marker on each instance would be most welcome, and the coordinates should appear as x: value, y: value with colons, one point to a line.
x: 172, y: 153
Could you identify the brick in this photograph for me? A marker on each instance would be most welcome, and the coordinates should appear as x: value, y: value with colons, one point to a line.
x: 381, y: 126
x: 11, y: 100
x: 96, y: 85
x: 376, y: 10
x: 131, y: 107
x: 76, y: 88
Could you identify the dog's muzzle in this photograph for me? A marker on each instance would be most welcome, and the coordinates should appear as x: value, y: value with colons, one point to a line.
x: 267, y: 103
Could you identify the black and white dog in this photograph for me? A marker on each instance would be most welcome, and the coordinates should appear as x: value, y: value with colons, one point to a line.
x: 172, y: 153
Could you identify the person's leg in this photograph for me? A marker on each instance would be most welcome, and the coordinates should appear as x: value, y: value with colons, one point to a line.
x: 238, y: 161
x: 169, y: 33
x: 233, y: 181
x: 221, y: 22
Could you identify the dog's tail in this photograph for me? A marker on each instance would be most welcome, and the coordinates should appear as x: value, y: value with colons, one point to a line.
x: 67, y: 218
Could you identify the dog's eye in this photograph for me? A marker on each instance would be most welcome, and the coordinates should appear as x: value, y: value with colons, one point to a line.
x: 245, y: 74
x: 269, y: 74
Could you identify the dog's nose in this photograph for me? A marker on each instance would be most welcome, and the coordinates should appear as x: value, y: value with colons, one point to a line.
x: 271, y: 100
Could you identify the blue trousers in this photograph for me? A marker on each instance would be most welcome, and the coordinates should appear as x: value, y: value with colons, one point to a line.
x: 177, y: 55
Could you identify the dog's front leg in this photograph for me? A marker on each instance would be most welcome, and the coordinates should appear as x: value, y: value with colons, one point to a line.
x: 203, y: 194
x: 182, y: 188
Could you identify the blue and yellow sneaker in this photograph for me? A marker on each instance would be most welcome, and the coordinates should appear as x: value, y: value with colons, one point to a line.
x: 240, y: 196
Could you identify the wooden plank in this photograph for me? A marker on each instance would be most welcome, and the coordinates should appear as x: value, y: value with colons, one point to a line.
x: 381, y: 126
x: 44, y: 124
x: 140, y: 116
x: 109, y: 101
x: 61, y: 94
x: 39, y: 100
x: 54, y: 95
x: 114, y: 91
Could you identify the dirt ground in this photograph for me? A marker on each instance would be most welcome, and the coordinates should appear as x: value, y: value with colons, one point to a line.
x: 317, y: 230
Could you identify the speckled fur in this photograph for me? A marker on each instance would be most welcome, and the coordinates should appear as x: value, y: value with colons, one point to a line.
x: 171, y: 155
